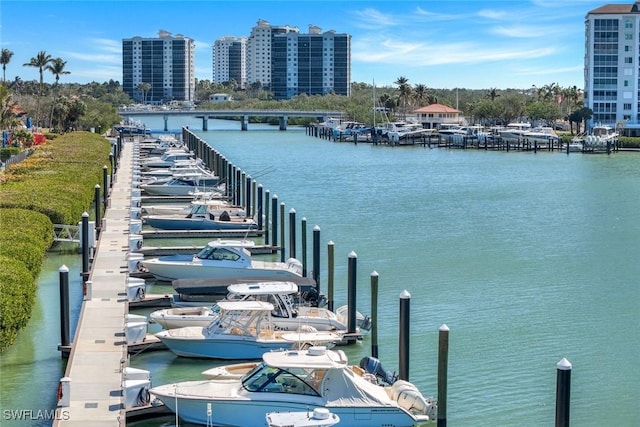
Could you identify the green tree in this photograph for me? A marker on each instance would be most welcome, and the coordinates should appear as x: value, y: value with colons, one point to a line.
x: 144, y: 89
x: 404, y: 89
x: 492, y: 94
x: 5, y: 58
x: 7, y: 117
x: 57, y: 68
x: 40, y: 61
x: 547, y: 111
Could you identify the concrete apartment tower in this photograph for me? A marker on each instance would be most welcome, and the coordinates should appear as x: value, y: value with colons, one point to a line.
x: 230, y: 60
x: 612, y: 66
x: 165, y: 63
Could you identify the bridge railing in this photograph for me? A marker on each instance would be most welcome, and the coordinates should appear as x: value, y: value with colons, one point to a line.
x: 66, y: 233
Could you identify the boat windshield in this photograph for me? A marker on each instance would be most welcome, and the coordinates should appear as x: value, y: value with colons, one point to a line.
x: 266, y: 378
x: 218, y: 254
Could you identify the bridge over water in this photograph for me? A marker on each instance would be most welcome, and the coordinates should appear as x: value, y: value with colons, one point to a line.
x: 244, y: 115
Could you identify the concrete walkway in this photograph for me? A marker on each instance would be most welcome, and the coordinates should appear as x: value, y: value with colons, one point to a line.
x: 99, y: 349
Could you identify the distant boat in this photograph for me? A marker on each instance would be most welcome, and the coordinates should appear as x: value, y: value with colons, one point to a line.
x: 514, y: 132
x: 541, y: 135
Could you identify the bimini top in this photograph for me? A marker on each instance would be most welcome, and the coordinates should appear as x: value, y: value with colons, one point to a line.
x: 317, y: 357
x: 263, y: 288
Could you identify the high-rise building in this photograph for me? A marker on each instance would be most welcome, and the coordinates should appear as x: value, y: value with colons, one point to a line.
x: 229, y: 60
x: 159, y: 70
x: 316, y: 63
x: 612, y: 66
x: 286, y: 62
x: 259, y: 48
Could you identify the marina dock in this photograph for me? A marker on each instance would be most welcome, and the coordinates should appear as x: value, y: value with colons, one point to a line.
x: 99, y: 349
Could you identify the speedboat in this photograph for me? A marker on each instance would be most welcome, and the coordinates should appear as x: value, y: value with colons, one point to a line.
x: 167, y: 159
x: 182, y: 185
x: 601, y: 136
x: 196, y: 209
x: 222, y: 260
x: 203, y: 217
x: 242, y: 331
x: 295, y: 380
x: 513, y: 132
x: 287, y: 315
x: 541, y: 135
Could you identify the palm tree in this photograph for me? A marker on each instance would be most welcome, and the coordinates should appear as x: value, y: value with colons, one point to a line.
x: 57, y: 68
x: 144, y: 89
x: 40, y: 61
x: 420, y: 93
x: 492, y: 94
x: 405, y: 92
x: 5, y: 58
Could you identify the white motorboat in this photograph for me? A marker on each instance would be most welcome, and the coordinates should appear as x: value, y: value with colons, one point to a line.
x: 242, y: 331
x: 541, y: 135
x: 183, y: 185
x: 287, y: 315
x: 513, y: 132
x: 196, y: 209
x: 319, y: 417
x: 601, y: 136
x: 293, y: 381
x: 221, y: 260
x: 397, y: 131
x: 576, y: 145
x: 167, y: 159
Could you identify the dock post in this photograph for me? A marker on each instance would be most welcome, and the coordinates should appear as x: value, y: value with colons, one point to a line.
x: 85, y: 246
x: 282, y: 227
x: 97, y: 208
x: 443, y: 363
x: 292, y: 233
x: 238, y: 187
x: 105, y: 185
x: 303, y: 240
x: 259, y: 207
x: 316, y: 257
x: 563, y: 393
x: 330, y: 273
x: 351, y: 291
x: 374, y: 314
x: 248, y: 200
x: 274, y: 222
x: 403, y: 351
x: 64, y: 306
x: 266, y: 217
x: 112, y: 162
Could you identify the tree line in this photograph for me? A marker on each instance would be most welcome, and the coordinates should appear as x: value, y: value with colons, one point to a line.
x: 66, y: 106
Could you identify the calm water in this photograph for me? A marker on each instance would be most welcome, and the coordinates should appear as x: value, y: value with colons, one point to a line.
x: 528, y: 258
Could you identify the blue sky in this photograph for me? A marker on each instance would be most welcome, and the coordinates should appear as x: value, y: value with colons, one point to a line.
x: 442, y: 44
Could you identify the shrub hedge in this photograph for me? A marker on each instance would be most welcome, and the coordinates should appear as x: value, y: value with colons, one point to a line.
x: 53, y: 186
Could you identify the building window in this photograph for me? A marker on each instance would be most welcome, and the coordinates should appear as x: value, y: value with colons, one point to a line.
x: 628, y: 60
x: 628, y: 36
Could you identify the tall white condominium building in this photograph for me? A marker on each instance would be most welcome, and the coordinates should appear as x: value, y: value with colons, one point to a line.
x: 316, y: 63
x: 612, y: 62
x: 165, y: 64
x: 229, y: 60
x: 259, y: 51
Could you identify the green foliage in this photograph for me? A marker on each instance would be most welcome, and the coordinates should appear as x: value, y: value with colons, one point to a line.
x: 629, y: 142
x: 25, y: 236
x: 59, y: 179
x: 7, y: 152
x: 17, y: 296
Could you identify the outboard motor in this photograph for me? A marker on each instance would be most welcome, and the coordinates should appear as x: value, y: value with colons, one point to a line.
x: 374, y: 366
x: 313, y: 297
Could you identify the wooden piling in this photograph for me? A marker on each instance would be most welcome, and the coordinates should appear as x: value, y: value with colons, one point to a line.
x: 374, y: 314
x: 351, y: 291
x: 64, y: 306
x: 563, y: 393
x: 330, y: 274
x: 404, y: 335
x: 443, y: 363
